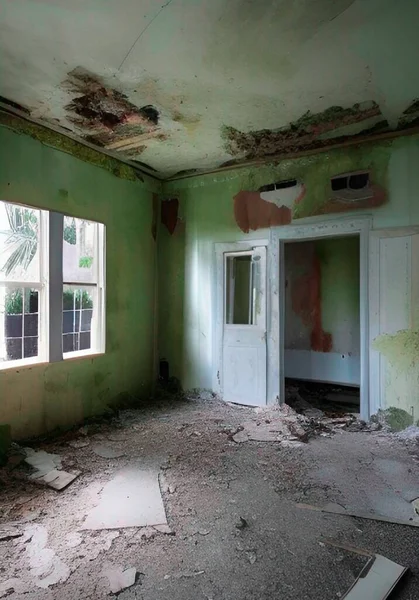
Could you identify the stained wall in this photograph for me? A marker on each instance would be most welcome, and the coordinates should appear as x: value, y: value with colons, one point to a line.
x: 207, y: 206
x: 39, y: 398
x: 322, y: 310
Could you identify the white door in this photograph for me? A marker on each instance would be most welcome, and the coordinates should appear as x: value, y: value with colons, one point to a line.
x: 394, y: 301
x: 243, y: 377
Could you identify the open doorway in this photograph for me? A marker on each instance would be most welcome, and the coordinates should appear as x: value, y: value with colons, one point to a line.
x: 322, y: 324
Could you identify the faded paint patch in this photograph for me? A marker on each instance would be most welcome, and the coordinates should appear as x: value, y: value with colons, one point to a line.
x: 169, y: 214
x: 106, y: 117
x: 401, y: 349
x: 252, y: 212
x: 65, y: 144
x: 305, y: 133
x: 155, y: 202
x: 306, y: 302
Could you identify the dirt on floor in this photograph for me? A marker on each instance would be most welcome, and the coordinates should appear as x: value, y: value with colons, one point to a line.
x: 235, y: 528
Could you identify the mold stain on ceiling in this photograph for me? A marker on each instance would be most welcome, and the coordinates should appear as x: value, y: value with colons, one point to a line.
x: 179, y: 88
x: 105, y: 117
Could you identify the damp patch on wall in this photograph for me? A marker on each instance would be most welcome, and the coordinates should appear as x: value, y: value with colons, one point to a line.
x: 307, y: 303
x: 310, y: 131
x: 169, y: 214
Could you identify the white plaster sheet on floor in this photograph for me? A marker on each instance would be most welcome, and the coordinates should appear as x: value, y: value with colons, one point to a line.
x: 131, y: 499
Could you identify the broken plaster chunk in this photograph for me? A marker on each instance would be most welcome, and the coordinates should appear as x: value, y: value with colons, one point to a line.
x: 12, y: 585
x: 42, y: 462
x: 120, y: 580
x: 79, y: 443
x: 73, y: 539
x: 106, y: 451
x: 8, y: 533
x: 163, y: 528
x: 131, y: 499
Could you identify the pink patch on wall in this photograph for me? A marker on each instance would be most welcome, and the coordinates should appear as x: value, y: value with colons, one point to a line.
x: 169, y: 214
x: 306, y: 302
x: 252, y: 212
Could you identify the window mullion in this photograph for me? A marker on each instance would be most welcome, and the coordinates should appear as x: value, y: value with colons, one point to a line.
x: 56, y: 224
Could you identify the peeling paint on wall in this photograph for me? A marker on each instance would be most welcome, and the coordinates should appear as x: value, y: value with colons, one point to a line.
x: 169, y: 214
x: 310, y: 131
x: 290, y: 200
x: 252, y: 212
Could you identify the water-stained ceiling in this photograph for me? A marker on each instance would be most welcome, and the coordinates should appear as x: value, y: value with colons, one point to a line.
x: 184, y: 85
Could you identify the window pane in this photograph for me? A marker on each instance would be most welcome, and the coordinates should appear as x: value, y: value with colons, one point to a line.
x: 19, y: 323
x: 19, y: 243
x: 239, y: 291
x: 78, y: 307
x: 79, y: 245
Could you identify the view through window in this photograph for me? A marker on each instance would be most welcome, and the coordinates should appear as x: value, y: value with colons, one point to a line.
x: 24, y: 285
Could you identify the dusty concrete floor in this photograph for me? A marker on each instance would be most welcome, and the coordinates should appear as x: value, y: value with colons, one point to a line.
x: 213, y: 481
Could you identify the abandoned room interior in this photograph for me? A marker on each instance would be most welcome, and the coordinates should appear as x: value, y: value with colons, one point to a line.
x: 209, y: 291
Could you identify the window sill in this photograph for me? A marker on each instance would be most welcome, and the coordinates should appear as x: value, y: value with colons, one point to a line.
x: 17, y: 365
x: 81, y: 354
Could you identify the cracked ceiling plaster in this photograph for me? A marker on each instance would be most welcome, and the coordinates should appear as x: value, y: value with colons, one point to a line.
x: 191, y: 85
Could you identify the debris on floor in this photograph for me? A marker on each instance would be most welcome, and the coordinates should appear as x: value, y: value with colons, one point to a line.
x: 336, y: 509
x: 48, y: 469
x: 119, y: 579
x: 131, y: 499
x: 106, y: 452
x: 45, y: 566
x: 232, y: 507
x: 377, y: 580
x: 8, y: 533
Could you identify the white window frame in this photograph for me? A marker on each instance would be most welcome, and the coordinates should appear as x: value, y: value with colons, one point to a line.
x: 98, y: 321
x: 50, y: 293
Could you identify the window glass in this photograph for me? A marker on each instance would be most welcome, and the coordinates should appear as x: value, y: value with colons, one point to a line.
x: 80, y: 277
x: 19, y: 243
x: 19, y: 323
x: 78, y: 305
x: 239, y: 290
x: 79, y: 245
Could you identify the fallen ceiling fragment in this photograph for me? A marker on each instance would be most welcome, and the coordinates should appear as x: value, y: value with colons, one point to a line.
x: 48, y: 469
x: 119, y: 579
x: 377, y: 579
x: 131, y: 499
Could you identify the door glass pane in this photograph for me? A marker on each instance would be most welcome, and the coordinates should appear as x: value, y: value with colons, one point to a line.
x: 239, y: 290
x: 19, y: 243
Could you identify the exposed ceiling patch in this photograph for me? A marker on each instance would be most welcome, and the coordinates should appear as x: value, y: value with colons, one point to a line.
x: 305, y: 133
x: 106, y: 117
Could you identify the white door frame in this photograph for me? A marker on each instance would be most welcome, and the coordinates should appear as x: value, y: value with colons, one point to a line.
x: 276, y: 293
x: 220, y: 250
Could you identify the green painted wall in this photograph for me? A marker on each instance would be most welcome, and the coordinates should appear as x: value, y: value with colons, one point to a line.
x: 207, y: 210
x: 40, y: 398
x: 339, y: 260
